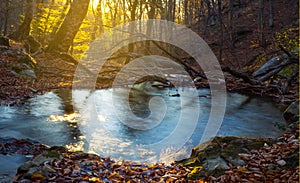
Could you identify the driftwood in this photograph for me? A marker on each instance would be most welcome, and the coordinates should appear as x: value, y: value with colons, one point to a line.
x: 275, y: 65
x: 269, y: 69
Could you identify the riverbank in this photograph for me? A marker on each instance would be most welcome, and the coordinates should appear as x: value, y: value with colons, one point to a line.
x: 55, y: 71
x: 225, y: 159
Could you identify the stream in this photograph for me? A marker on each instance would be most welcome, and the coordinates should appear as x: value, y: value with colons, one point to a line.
x: 53, y: 119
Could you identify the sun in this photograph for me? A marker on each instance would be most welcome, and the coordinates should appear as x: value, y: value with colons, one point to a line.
x: 94, y: 3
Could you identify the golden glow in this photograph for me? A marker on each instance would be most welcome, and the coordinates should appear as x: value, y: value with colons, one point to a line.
x: 75, y: 147
x: 101, y: 118
x: 65, y: 84
x: 94, y: 3
x: 71, y: 118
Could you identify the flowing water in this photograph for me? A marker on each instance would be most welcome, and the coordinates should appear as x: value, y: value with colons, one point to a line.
x: 50, y: 119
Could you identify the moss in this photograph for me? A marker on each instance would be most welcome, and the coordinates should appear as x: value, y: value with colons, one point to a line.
x: 188, y: 162
x: 195, y: 173
x: 52, y: 154
x: 226, y: 148
x: 58, y: 148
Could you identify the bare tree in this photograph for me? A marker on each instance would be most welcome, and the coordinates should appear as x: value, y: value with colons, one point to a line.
x: 23, y: 31
x: 260, y: 22
x: 230, y: 25
x: 63, y: 39
x: 6, y: 16
x: 132, y: 7
x: 221, y: 29
x: 98, y: 24
x: 271, y: 10
x: 186, y: 13
x: 60, y: 19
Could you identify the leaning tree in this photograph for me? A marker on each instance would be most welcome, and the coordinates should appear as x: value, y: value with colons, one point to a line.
x: 63, y: 38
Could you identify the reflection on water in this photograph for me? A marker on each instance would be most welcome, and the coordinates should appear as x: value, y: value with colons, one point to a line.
x: 32, y: 120
x: 50, y: 119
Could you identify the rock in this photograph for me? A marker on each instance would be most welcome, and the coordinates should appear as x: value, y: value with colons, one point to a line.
x: 36, y: 169
x: 27, y: 59
x: 4, y: 41
x: 32, y: 45
x: 28, y: 73
x: 25, y: 66
x: 292, y: 160
x: 5, y: 179
x: 214, y: 158
x: 25, y: 167
x: 281, y: 162
x: 272, y: 167
x: 235, y: 161
x: 216, y: 164
x: 31, y: 171
x: 42, y: 158
x: 291, y: 114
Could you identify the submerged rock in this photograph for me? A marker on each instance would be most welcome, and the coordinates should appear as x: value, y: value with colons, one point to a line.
x: 5, y: 179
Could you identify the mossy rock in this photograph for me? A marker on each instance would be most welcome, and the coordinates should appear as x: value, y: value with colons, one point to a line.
x: 214, y: 157
x: 52, y: 154
x: 292, y: 160
x: 58, y: 148
x: 27, y: 59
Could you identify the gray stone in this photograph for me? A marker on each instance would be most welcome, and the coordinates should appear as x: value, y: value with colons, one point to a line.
x: 25, y: 167
x: 291, y: 114
x: 5, y: 179
x: 235, y: 161
x: 217, y: 163
x: 28, y: 73
x: 32, y: 171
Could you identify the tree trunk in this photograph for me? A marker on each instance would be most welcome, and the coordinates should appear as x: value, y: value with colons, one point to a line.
x: 132, y: 8
x: 63, y: 39
x: 262, y: 41
x: 23, y: 31
x: 271, y: 9
x: 6, y: 16
x: 230, y: 16
x: 98, y: 24
x: 221, y: 29
x: 151, y: 15
x: 186, y: 13
x: 60, y: 20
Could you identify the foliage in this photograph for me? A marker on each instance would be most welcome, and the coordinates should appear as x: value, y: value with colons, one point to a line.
x: 82, y: 39
x: 288, y: 38
x: 46, y: 17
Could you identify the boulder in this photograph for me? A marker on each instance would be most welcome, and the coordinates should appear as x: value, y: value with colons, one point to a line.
x: 33, y: 169
x: 25, y: 66
x: 4, y: 41
x: 291, y: 114
x: 32, y: 46
x: 28, y: 73
x: 215, y: 157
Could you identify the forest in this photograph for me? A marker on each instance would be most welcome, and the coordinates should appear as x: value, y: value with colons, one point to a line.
x: 82, y: 84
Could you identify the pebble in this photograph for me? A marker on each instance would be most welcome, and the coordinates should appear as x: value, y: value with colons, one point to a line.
x: 281, y: 162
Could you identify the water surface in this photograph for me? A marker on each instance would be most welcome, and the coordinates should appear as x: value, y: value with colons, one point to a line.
x: 50, y: 119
